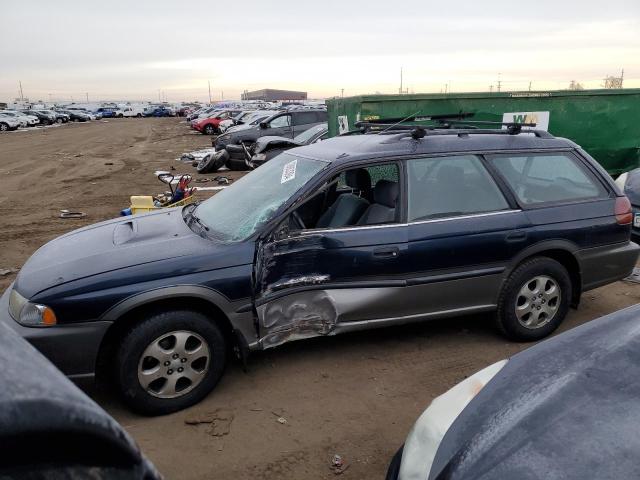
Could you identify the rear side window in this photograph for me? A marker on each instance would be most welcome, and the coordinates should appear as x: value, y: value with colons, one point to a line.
x: 304, y: 118
x: 541, y: 178
x: 451, y: 186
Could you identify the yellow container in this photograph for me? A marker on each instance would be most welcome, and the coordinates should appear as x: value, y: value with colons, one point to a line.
x: 144, y: 203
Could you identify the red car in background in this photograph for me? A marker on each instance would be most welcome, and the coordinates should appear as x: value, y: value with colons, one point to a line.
x: 209, y: 126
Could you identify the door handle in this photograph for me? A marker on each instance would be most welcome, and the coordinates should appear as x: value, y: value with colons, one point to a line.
x: 517, y: 236
x: 386, y: 252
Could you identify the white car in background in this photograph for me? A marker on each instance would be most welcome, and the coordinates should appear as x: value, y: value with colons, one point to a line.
x: 25, y: 120
x: 8, y: 122
x: 130, y: 111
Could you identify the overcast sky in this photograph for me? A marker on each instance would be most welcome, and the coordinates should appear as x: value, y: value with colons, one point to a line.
x: 123, y: 49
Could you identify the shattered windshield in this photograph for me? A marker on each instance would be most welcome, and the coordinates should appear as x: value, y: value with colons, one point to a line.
x: 236, y: 212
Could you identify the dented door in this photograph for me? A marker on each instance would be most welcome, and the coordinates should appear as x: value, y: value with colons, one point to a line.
x: 309, y: 284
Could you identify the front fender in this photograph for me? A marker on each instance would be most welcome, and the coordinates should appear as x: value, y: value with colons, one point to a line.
x: 239, y: 312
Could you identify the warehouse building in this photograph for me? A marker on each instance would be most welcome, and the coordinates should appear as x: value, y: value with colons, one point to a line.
x: 271, y: 95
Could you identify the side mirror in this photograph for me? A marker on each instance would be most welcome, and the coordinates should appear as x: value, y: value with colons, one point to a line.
x: 264, y: 125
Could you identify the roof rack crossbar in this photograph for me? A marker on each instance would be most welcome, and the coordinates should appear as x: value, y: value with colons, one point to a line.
x: 421, y: 132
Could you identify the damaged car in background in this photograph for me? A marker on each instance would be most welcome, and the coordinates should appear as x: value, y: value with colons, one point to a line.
x: 243, y: 157
x: 566, y: 408
x: 351, y: 233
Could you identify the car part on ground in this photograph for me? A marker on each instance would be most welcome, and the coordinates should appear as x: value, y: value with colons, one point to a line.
x: 212, y: 162
x: 269, y: 259
x: 39, y: 406
x: 547, y: 412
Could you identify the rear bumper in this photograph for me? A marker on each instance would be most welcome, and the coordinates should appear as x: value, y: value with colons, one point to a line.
x: 71, y: 348
x: 607, y: 264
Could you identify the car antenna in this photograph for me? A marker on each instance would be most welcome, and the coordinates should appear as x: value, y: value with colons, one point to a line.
x: 413, y: 115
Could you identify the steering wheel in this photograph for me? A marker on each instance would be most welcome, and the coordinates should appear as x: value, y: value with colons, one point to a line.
x: 298, y: 219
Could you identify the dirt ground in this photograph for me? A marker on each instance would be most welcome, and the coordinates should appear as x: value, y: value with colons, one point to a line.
x: 355, y: 395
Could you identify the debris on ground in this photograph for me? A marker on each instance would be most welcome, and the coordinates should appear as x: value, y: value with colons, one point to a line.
x: 634, y: 277
x: 71, y: 214
x: 281, y: 420
x: 219, y: 421
x: 8, y: 271
x: 338, y: 465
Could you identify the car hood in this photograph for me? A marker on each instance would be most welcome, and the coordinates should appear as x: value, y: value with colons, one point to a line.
x: 271, y: 140
x: 565, y: 408
x: 118, y: 244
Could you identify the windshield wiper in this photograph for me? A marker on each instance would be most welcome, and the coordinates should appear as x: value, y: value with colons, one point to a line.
x: 190, y: 217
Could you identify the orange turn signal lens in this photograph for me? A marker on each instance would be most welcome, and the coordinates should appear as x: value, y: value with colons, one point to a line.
x: 48, y: 317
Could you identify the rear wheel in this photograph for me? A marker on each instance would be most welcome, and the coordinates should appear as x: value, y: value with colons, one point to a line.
x: 59, y: 120
x: 139, y: 115
x: 4, y: 127
x: 209, y: 129
x: 169, y: 361
x: 535, y: 300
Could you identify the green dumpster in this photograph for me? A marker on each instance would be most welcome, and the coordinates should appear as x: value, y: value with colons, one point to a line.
x: 604, y: 122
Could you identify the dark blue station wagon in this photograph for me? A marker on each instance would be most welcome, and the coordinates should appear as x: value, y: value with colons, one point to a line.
x: 351, y: 233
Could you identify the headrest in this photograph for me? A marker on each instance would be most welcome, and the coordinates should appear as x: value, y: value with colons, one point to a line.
x: 358, y: 179
x: 386, y: 193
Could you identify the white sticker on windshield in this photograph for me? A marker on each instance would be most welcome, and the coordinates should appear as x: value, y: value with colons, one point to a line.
x: 289, y: 171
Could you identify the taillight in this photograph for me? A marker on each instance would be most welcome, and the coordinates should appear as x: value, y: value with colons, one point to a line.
x: 623, y: 211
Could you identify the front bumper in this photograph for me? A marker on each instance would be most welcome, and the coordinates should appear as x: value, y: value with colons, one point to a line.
x: 72, y: 348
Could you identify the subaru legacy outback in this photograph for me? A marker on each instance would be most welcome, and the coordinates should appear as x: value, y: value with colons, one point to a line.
x: 351, y: 233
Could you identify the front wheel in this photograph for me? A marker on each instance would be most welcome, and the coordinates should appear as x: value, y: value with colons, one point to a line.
x: 535, y: 300
x: 209, y: 129
x: 169, y: 361
x: 4, y: 127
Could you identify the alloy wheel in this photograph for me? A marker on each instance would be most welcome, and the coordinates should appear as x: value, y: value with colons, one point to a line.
x: 174, y: 364
x: 538, y: 302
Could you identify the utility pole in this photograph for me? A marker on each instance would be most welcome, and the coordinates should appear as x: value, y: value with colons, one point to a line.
x: 87, y: 94
x: 21, y: 95
x: 529, y: 85
x: 222, y: 95
x: 342, y: 93
x: 499, y: 82
x: 490, y: 88
x: 400, y: 91
x: 209, y: 81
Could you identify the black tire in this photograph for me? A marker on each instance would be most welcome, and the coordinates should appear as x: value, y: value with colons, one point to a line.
x: 394, y: 467
x: 59, y: 120
x: 511, y: 295
x: 237, y: 164
x: 212, y: 162
x: 208, y: 129
x: 139, y: 115
x: 120, y: 115
x: 143, y: 334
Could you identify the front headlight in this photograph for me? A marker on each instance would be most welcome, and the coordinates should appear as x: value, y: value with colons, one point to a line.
x: 30, y: 314
x: 424, y: 439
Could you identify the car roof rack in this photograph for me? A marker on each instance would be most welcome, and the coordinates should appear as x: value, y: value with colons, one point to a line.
x: 417, y: 131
